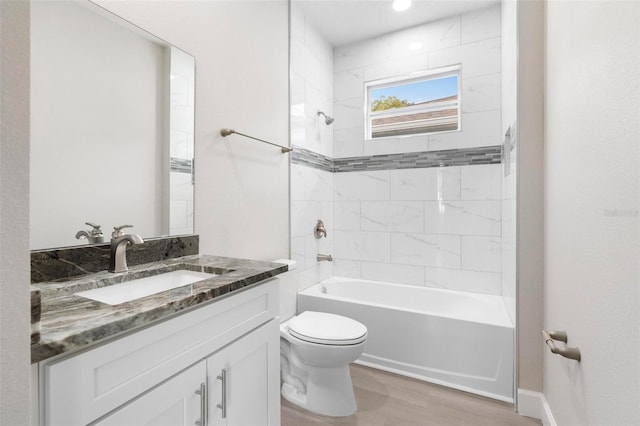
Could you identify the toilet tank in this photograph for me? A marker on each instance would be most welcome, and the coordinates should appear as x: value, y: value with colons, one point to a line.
x: 288, y: 289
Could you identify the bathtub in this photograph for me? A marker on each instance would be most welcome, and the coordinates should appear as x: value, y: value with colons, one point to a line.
x: 452, y: 338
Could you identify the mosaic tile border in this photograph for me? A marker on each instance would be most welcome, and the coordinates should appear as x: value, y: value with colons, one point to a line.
x: 311, y: 159
x: 180, y: 165
x: 410, y: 160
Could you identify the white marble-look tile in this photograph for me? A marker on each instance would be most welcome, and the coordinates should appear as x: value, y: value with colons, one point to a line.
x: 463, y: 217
x: 346, y: 215
x: 397, y: 274
x: 346, y: 268
x: 304, y: 215
x: 361, y: 53
x: 316, y: 44
x: 481, y: 253
x: 299, y: 218
x: 392, y: 216
x: 298, y: 136
x: 324, y: 271
x: 179, y: 147
x: 298, y: 251
x: 433, y: 36
x: 309, y: 277
x: 456, y: 279
x: 304, y: 63
x: 400, y: 145
x: 297, y: 182
x: 178, y: 211
x: 349, y: 113
x: 478, y: 129
x: 434, y: 183
x: 314, y: 246
x: 326, y: 214
x: 481, y: 24
x: 318, y: 184
x: 425, y: 250
x: 297, y: 83
x: 348, y: 142
x: 366, y: 186
x: 348, y: 84
x: 396, y: 67
x: 481, y: 182
x: 360, y: 245
x: 480, y: 58
x: 297, y: 22
x: 481, y: 93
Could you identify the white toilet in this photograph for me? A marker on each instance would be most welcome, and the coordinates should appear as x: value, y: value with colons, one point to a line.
x: 315, y: 351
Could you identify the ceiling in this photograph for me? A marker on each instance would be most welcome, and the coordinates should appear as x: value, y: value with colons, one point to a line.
x: 342, y: 22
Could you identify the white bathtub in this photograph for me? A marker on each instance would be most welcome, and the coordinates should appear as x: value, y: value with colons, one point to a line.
x: 457, y: 339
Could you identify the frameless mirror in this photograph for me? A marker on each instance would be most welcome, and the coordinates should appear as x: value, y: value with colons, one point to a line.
x: 112, y: 127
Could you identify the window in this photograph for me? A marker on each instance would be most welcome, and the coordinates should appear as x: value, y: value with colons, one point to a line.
x: 425, y: 103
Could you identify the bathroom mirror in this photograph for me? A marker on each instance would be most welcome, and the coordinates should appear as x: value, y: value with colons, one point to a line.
x: 112, y: 127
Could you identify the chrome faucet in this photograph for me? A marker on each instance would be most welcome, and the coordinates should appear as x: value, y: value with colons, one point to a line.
x: 326, y: 257
x: 94, y: 236
x: 119, y: 242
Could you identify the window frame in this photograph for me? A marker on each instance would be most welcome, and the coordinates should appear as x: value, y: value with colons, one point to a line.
x: 424, y: 75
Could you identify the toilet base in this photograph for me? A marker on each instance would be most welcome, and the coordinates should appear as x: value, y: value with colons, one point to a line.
x: 329, y: 392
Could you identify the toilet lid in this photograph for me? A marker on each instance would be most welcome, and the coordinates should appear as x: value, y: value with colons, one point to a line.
x: 327, y: 329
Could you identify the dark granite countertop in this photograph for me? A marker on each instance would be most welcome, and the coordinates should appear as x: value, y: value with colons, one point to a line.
x: 69, y: 322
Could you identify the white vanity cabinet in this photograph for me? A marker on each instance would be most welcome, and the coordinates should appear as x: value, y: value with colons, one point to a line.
x: 240, y: 389
x: 168, y: 373
x: 174, y: 402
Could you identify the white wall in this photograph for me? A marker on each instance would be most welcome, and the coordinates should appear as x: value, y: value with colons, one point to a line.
x: 311, y: 189
x: 241, y: 51
x: 101, y: 123
x: 591, y: 210
x: 14, y: 214
x: 471, y: 39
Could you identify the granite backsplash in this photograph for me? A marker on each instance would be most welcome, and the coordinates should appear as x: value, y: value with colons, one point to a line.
x: 68, y: 262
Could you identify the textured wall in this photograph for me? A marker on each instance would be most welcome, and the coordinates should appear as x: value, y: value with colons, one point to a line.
x: 592, y: 236
x: 14, y: 214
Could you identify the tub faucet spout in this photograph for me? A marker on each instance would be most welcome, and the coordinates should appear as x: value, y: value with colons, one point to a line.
x: 326, y: 257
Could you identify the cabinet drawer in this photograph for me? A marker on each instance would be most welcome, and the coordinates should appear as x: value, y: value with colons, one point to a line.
x: 80, y: 388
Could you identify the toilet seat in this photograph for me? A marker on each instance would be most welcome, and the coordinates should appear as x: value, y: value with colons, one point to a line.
x: 327, y: 329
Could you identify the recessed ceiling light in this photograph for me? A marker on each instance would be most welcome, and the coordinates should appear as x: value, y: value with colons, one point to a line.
x: 400, y: 5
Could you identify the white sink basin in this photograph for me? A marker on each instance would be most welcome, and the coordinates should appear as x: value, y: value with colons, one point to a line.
x: 142, y: 287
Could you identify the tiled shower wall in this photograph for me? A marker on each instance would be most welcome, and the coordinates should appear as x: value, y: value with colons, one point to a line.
x: 436, y: 226
x: 311, y: 189
x: 471, y: 40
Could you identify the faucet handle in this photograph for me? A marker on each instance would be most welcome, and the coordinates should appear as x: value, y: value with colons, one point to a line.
x: 96, y: 228
x: 117, y: 230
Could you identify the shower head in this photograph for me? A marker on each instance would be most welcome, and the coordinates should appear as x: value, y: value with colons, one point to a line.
x: 327, y: 119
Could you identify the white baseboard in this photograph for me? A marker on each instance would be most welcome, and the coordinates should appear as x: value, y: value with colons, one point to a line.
x: 534, y: 404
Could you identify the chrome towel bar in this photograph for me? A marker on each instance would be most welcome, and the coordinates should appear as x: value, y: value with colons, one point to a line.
x: 567, y: 352
x: 227, y: 132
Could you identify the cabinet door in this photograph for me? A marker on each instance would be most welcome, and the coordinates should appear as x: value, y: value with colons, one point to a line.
x: 175, y: 402
x: 244, y: 380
